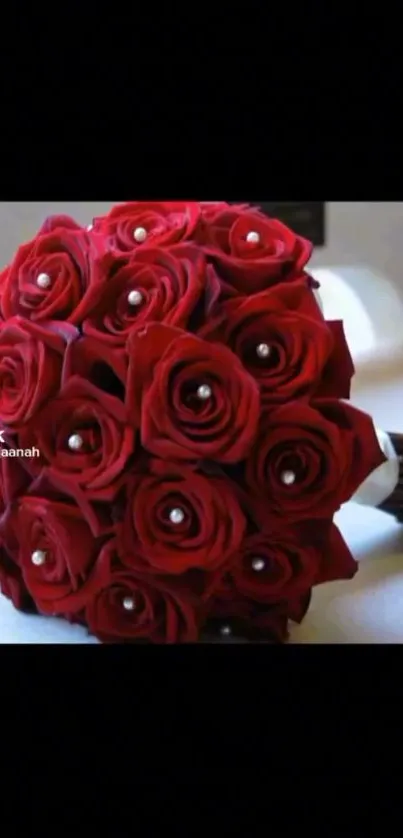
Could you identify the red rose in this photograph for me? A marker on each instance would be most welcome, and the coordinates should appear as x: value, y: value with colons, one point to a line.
x: 177, y: 519
x: 211, y: 209
x: 309, y: 459
x: 103, y: 365
x: 150, y: 285
x: 281, y: 566
x: 82, y: 435
x: 192, y: 399
x: 31, y: 358
x: 13, y: 481
x: 128, y: 226
x: 284, y: 342
x: 233, y: 616
x: 49, y: 274
x: 59, y: 222
x: 129, y: 608
x: 12, y: 584
x: 58, y: 544
x: 252, y: 250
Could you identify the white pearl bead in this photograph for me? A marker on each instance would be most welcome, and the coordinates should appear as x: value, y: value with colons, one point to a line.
x: 176, y: 516
x: 134, y: 298
x: 226, y: 631
x: 75, y: 442
x: 90, y: 227
x: 288, y: 478
x: 263, y: 350
x: 258, y: 565
x: 140, y: 234
x: 38, y: 557
x: 129, y: 603
x: 43, y: 281
x: 204, y: 392
x: 253, y: 238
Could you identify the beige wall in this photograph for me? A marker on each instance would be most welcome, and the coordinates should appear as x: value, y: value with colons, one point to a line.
x: 19, y: 221
x: 367, y: 235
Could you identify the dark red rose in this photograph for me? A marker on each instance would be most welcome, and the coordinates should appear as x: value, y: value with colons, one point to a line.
x: 310, y: 458
x: 252, y: 250
x: 209, y: 524
x: 128, y: 607
x: 210, y: 210
x: 13, y: 480
x: 58, y: 544
x: 12, y: 584
x: 150, y: 285
x: 275, y: 566
x: 232, y: 617
x: 339, y: 370
x: 178, y: 420
x: 49, y: 274
x: 128, y: 226
x: 31, y: 358
x: 103, y: 365
x: 95, y: 423
x: 283, y: 340
x: 281, y: 566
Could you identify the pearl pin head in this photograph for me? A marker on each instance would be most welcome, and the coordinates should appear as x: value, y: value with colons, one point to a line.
x: 204, y: 392
x: 258, y: 565
x: 288, y: 477
x: 38, y: 558
x: 140, y: 235
x: 176, y: 516
x: 225, y: 631
x: 263, y: 350
x: 75, y: 442
x: 129, y: 603
x: 43, y: 281
x: 135, y: 298
x: 253, y: 237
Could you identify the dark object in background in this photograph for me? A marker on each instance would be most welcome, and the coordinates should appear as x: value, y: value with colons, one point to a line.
x: 394, y: 503
x: 306, y: 218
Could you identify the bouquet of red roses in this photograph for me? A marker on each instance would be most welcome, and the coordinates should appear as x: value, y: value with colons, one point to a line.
x: 175, y: 431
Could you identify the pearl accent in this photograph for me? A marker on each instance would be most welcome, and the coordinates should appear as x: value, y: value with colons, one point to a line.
x: 226, y: 631
x: 140, y: 234
x: 38, y: 558
x: 253, y: 237
x: 129, y: 603
x: 288, y: 477
x: 176, y: 516
x: 204, y: 392
x: 134, y: 298
x: 43, y: 281
x: 90, y: 227
x: 263, y: 350
x: 75, y: 442
x: 258, y: 565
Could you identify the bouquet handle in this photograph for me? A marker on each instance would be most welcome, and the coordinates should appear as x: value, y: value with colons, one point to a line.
x: 393, y: 504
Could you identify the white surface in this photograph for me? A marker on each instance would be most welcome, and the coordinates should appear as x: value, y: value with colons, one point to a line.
x: 368, y: 608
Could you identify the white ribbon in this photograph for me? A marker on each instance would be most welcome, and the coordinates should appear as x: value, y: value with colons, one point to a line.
x: 383, y: 481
